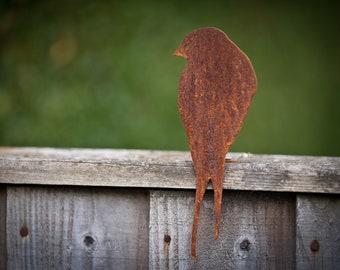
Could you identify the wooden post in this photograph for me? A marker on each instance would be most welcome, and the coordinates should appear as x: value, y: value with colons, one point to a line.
x: 133, y: 209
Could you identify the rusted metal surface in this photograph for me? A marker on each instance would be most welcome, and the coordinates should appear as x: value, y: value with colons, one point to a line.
x: 215, y: 92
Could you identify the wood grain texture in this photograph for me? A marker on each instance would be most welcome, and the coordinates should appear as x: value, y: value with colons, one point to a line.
x: 165, y: 169
x: 318, y: 221
x: 77, y: 228
x: 3, y: 210
x: 257, y: 231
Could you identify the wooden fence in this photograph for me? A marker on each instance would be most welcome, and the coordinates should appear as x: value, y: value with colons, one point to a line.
x: 133, y: 209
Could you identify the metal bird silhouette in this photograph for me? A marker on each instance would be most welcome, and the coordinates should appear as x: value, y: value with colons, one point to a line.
x: 215, y: 92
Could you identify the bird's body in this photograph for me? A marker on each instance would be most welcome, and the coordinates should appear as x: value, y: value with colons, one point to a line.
x: 216, y: 88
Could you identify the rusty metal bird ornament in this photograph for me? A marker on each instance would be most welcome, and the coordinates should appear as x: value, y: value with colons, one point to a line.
x: 215, y: 92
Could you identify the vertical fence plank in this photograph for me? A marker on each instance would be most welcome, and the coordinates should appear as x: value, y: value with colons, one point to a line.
x: 3, y: 248
x: 83, y: 228
x: 170, y: 214
x: 318, y: 232
x: 257, y: 231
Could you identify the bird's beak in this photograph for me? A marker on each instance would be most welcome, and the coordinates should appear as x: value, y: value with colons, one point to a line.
x: 179, y: 53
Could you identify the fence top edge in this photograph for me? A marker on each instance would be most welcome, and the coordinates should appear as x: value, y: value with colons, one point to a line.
x: 164, y: 169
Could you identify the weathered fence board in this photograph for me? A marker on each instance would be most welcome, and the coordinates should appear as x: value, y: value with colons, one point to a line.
x: 159, y: 169
x: 318, y: 232
x: 3, y: 245
x: 257, y: 231
x: 77, y: 228
x: 67, y: 209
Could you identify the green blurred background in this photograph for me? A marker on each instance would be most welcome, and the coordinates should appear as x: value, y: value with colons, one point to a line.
x: 100, y: 74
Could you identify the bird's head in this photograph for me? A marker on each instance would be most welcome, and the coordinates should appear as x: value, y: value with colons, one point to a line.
x: 184, y: 48
x: 198, y: 41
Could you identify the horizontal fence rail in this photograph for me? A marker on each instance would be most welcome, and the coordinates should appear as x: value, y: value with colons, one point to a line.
x: 165, y: 169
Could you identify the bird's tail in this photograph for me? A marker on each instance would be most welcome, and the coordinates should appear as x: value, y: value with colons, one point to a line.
x: 218, y: 189
x: 201, y: 187
x: 200, y: 191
